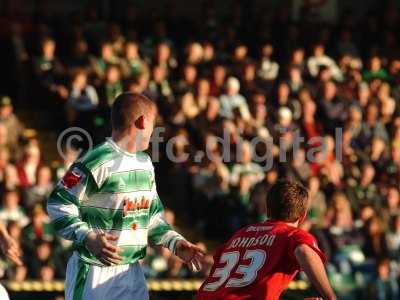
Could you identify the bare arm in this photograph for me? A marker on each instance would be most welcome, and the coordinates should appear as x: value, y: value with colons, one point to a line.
x: 312, y: 265
x: 8, y: 246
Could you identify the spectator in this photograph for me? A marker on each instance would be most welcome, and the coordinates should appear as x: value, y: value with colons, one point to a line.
x: 132, y: 65
x: 385, y: 287
x: 29, y: 164
x: 112, y: 86
x: 39, y: 192
x: 233, y: 100
x: 82, y: 97
x: 11, y: 209
x: 375, y: 70
x: 11, y: 123
x: 269, y: 69
x: 320, y: 59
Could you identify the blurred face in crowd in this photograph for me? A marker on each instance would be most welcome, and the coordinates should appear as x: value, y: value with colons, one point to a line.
x: 271, y: 176
x: 38, y: 217
x: 81, y: 47
x: 131, y: 50
x: 219, y: 74
x: 325, y: 75
x: 3, y: 135
x: 246, y: 152
x: 298, y: 56
x: 195, y: 53
x: 355, y: 115
x: 190, y: 74
x: 375, y: 64
x: 188, y: 105
x: 213, y: 109
x: 32, y: 154
x: 11, y: 200
x: 372, y: 114
x: 378, y: 145
x: 319, y: 50
x: 396, y: 224
x: 159, y: 74
x: 393, y: 198
x: 388, y: 108
x: 313, y: 184
x: 343, y: 219
x: 285, y: 117
x: 363, y: 95
x: 249, y: 72
x: 366, y: 213
x: 329, y: 90
x: 258, y: 99
x: 203, y: 87
x: 47, y: 273
x: 208, y: 51
x: 4, y: 157
x: 384, y: 91
x: 374, y: 226
x: 232, y: 86
x: 14, y: 230
x: 113, y: 75
x: 384, y: 269
x: 283, y: 93
x: 267, y: 50
x: 299, y: 158
x: 44, y: 176
x: 240, y: 52
x: 48, y: 48
x: 106, y: 51
x: 80, y: 80
x: 368, y: 175
x: 43, y: 251
x: 6, y: 111
x: 295, y: 74
x: 163, y: 52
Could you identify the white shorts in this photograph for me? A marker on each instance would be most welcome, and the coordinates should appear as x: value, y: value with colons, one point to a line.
x: 3, y: 293
x: 90, y: 282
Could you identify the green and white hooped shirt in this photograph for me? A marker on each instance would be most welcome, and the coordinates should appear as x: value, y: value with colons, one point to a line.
x: 110, y: 190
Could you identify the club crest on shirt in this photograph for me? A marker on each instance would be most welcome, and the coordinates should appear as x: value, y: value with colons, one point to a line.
x: 71, y: 178
x: 135, y: 204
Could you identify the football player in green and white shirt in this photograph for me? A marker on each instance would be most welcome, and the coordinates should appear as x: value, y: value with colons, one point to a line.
x: 107, y: 203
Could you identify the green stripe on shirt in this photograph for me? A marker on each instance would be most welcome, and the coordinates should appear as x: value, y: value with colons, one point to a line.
x: 108, y: 219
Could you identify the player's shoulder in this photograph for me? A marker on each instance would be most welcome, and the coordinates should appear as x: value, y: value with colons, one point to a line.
x: 299, y: 235
x: 98, y: 156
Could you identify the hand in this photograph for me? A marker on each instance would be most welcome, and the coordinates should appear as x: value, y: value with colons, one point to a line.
x: 191, y: 254
x: 10, y: 248
x: 99, y: 245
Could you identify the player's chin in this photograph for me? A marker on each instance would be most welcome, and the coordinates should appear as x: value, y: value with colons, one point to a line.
x: 143, y: 146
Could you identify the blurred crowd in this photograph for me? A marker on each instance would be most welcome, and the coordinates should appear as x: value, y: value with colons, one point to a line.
x: 248, y: 75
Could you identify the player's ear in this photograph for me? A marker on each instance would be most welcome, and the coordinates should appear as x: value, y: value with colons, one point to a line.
x: 139, y: 123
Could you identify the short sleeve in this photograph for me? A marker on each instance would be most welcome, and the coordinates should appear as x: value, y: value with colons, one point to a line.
x: 300, y: 237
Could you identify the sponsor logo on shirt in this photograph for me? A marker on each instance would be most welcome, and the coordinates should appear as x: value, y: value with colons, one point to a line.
x: 135, y: 204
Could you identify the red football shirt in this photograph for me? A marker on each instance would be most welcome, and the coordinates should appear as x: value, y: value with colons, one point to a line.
x: 257, y: 263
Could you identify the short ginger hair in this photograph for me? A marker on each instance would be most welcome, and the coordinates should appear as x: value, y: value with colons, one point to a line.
x: 128, y: 107
x: 287, y: 201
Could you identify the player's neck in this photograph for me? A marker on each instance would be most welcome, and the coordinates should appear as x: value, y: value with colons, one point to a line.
x: 124, y: 142
x: 293, y: 224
